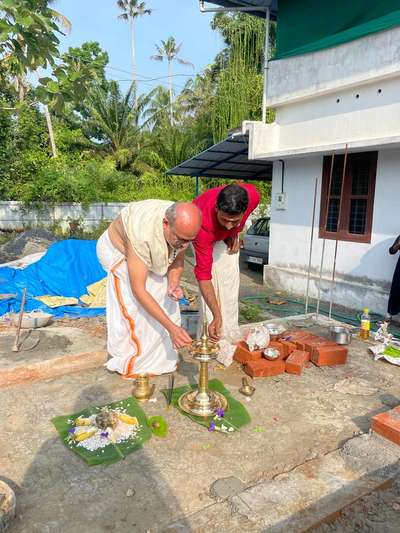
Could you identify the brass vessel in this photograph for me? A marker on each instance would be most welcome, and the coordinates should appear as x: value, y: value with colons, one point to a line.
x: 142, y: 390
x: 247, y: 389
x: 201, y: 401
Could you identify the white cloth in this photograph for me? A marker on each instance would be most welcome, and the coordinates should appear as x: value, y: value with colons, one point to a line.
x: 143, y: 224
x: 136, y: 342
x: 226, y: 282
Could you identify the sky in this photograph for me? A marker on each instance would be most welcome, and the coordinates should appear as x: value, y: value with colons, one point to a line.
x: 97, y: 20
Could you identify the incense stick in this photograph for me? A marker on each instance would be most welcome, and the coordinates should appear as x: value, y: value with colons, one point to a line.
x: 171, y: 389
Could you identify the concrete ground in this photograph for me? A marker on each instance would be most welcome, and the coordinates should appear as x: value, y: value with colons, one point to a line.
x: 171, y: 482
x: 195, y: 480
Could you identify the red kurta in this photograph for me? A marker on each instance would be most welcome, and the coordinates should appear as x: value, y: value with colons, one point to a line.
x: 211, y: 231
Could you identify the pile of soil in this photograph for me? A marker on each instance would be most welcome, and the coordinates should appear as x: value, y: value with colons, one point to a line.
x: 28, y: 242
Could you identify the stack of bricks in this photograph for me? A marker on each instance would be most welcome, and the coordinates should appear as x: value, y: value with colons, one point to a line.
x: 296, y: 350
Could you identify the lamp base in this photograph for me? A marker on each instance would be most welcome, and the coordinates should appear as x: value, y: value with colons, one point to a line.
x: 202, y: 404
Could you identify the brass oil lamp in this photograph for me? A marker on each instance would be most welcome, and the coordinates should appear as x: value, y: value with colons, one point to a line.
x: 201, y: 401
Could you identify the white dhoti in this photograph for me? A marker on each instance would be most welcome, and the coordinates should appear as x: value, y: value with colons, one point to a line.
x: 226, y: 282
x: 136, y: 342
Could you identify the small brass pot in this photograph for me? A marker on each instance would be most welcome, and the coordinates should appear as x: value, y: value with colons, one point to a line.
x: 247, y: 389
x: 142, y: 390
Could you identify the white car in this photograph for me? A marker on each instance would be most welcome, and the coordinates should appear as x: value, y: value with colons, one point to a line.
x: 256, y: 243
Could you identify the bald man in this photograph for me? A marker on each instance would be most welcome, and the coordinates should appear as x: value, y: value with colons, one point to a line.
x: 143, y: 254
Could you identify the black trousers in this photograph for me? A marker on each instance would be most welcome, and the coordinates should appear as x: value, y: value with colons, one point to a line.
x: 394, y: 297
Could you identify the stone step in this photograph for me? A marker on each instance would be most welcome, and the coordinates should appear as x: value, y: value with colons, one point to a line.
x: 48, y: 353
x: 308, y: 495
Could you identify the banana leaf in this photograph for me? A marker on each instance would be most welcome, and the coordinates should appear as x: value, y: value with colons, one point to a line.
x: 236, y: 415
x: 112, y: 452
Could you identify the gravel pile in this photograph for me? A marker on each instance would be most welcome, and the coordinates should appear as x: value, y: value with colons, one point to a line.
x: 29, y: 242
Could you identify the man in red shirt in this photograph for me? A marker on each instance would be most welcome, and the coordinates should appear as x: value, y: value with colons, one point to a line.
x: 224, y: 213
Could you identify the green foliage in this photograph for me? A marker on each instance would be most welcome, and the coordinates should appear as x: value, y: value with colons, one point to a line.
x: 113, y: 120
x: 131, y: 9
x: 63, y: 180
x: 251, y: 312
x: 29, y: 32
x: 240, y: 81
x: 113, y: 146
x: 5, y: 135
x: 170, y: 145
x: 72, y: 78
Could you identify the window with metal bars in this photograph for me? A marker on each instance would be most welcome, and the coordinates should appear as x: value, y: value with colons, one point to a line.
x: 347, y: 197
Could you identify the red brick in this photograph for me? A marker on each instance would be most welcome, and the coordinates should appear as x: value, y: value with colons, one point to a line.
x: 291, y: 346
x: 329, y: 355
x: 388, y: 425
x: 302, y: 341
x: 295, y: 334
x: 264, y: 368
x: 296, y: 361
x: 312, y: 342
x: 324, y: 343
x: 244, y: 355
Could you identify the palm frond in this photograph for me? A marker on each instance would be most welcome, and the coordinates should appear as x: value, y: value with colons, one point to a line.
x: 184, y: 62
x: 59, y: 17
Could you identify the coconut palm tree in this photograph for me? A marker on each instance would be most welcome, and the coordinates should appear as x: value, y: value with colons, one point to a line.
x: 114, y: 122
x: 157, y: 111
x: 169, y: 51
x: 131, y: 10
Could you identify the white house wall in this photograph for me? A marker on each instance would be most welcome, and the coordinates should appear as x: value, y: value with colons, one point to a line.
x: 347, y: 94
x: 368, y: 116
x: 364, y: 271
x: 351, y: 64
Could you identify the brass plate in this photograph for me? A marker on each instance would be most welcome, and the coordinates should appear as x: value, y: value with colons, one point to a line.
x: 217, y: 401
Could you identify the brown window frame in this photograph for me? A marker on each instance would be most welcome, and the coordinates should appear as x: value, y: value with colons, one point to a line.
x: 343, y: 233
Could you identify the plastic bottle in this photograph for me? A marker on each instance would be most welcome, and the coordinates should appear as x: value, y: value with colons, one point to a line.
x: 365, y: 324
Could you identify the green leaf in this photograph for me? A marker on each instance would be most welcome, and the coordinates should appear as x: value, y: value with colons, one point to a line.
x: 45, y: 80
x: 53, y: 87
x: 158, y: 426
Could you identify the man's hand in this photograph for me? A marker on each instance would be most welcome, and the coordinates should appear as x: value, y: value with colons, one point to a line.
x: 179, y: 337
x: 175, y: 292
x: 233, y: 244
x: 214, y: 329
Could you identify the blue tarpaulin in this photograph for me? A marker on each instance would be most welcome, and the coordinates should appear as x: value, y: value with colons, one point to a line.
x: 66, y: 269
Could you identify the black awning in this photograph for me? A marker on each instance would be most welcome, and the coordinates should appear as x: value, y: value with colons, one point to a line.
x: 226, y: 159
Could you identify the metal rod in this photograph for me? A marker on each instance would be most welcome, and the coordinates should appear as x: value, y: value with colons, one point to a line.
x: 337, y: 229
x: 311, y: 246
x: 15, y: 347
x: 324, y: 240
x: 320, y: 277
x: 266, y: 65
x: 333, y: 280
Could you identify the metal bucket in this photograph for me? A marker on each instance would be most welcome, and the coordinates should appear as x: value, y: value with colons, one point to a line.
x: 341, y: 335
